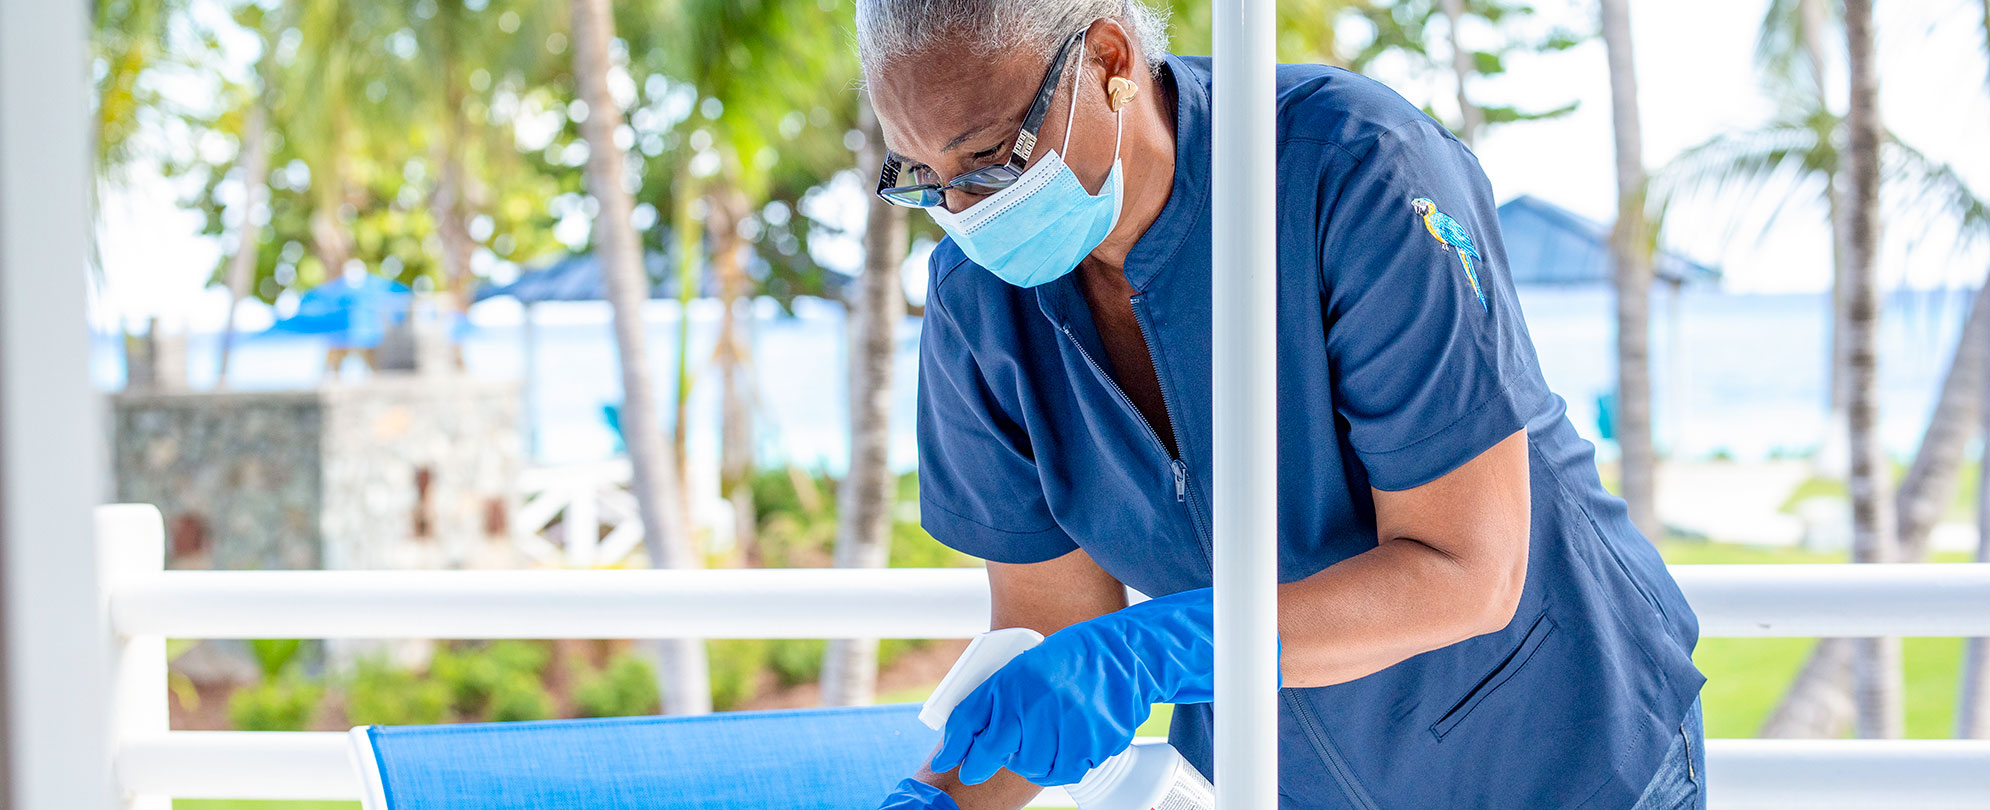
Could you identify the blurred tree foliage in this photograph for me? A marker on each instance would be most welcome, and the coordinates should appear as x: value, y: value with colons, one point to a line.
x: 1405, y: 29
x: 433, y: 140
x: 1305, y: 28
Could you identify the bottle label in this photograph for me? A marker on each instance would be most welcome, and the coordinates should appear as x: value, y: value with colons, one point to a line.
x: 1189, y: 791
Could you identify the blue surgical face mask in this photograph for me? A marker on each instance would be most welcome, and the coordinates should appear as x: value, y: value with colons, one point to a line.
x: 1040, y: 228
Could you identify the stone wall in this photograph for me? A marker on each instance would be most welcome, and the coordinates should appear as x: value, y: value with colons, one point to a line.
x: 238, y: 476
x: 421, y: 472
x: 414, y: 471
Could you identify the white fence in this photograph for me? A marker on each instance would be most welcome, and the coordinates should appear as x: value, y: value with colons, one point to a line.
x: 146, y: 605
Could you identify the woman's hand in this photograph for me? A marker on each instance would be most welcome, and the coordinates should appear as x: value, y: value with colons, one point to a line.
x: 1061, y: 708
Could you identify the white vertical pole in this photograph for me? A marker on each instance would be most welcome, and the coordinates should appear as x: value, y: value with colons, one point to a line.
x: 131, y: 545
x: 1245, y: 440
x: 56, y: 738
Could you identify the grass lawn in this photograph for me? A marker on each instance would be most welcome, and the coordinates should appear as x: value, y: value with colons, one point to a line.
x: 1745, y: 676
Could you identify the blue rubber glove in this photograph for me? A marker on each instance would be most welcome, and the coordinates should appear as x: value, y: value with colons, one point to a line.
x: 1064, y: 706
x: 913, y: 794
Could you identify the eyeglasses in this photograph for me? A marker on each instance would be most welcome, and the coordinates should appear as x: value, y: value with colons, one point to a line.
x: 928, y: 192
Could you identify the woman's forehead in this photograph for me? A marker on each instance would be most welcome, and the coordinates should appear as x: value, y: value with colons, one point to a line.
x: 934, y: 105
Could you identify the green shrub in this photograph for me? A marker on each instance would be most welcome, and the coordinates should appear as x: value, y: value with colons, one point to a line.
x: 467, y: 676
x: 796, y: 661
x: 473, y: 674
x: 519, y: 696
x: 736, y: 665
x: 277, y: 704
x: 892, y: 649
x: 521, y: 656
x: 625, y: 687
x: 380, y: 693
x: 273, y: 655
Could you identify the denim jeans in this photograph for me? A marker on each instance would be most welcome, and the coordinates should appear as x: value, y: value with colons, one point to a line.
x: 1682, y: 777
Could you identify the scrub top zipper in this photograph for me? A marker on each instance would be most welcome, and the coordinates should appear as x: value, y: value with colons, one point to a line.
x: 1176, y: 466
x: 1168, y: 407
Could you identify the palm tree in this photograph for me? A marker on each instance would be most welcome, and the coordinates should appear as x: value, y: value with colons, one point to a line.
x: 1876, y: 666
x: 760, y: 67
x: 1796, y: 155
x: 255, y: 186
x: 1404, y: 28
x: 1973, y: 704
x: 1630, y: 246
x: 255, y: 160
x: 863, y: 528
x: 1470, y: 117
x: 684, y: 671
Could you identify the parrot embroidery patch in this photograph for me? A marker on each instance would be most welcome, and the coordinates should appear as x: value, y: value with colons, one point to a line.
x: 1452, y: 236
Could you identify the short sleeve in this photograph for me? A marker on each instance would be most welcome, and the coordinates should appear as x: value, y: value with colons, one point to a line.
x: 1424, y: 329
x: 979, y: 491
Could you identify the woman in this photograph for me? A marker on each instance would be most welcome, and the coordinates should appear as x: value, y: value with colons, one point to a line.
x: 1467, y: 619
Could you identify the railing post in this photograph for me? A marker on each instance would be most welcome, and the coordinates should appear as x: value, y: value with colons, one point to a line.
x: 131, y: 544
x: 582, y: 523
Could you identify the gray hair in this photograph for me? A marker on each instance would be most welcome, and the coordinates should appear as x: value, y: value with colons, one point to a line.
x: 888, y: 30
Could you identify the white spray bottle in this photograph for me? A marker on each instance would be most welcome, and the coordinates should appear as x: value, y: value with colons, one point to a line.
x: 1145, y: 776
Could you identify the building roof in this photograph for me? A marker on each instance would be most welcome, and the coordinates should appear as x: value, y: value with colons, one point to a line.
x: 1549, y: 244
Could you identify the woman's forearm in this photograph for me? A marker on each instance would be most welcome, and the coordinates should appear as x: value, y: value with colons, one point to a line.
x: 1371, y: 611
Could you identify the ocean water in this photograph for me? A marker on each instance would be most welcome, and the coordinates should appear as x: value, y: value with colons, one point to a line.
x: 1735, y: 375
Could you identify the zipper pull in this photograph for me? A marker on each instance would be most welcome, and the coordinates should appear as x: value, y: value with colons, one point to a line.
x: 1181, y: 479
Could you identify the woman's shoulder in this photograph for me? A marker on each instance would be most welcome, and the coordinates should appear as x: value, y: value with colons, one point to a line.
x: 1334, y: 105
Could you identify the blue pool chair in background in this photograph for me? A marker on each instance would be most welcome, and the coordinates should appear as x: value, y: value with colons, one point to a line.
x: 808, y: 759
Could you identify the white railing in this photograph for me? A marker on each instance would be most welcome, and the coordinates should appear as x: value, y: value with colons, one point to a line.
x: 147, y: 605
x: 565, y: 509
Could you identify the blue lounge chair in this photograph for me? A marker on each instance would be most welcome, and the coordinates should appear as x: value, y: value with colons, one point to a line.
x: 810, y: 759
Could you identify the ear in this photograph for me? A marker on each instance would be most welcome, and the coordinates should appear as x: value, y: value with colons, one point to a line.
x: 1116, y: 55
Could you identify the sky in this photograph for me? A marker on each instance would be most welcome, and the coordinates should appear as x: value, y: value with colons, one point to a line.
x: 1696, y: 80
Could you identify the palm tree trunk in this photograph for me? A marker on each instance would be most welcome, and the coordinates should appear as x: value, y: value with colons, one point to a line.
x: 688, y: 245
x: 1818, y: 702
x: 1973, y: 707
x: 1929, y: 485
x: 1876, y: 665
x: 255, y: 188
x: 725, y: 211
x: 1630, y: 246
x: 1972, y: 711
x: 1469, y: 117
x: 864, y: 503
x: 450, y: 201
x: 684, y: 678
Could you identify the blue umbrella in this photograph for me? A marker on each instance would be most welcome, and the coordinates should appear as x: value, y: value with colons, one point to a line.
x: 352, y: 312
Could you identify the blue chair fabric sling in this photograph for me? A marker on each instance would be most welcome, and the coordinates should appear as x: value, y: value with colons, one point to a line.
x: 809, y: 759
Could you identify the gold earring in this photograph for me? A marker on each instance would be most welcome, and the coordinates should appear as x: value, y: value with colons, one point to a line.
x: 1120, y: 90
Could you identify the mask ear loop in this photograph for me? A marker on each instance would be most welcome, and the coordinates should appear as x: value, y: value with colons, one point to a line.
x: 1072, y: 116
x: 1118, y: 111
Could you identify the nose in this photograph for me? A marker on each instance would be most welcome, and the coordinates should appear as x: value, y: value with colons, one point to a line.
x: 957, y: 200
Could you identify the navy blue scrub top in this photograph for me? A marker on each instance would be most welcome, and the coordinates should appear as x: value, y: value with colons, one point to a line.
x: 1402, y: 354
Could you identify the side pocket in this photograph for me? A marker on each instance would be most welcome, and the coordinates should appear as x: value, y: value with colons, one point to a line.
x: 1536, y: 634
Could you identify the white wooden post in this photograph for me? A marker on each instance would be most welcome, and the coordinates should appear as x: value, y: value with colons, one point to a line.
x: 54, y: 745
x: 582, y: 523
x: 131, y: 545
